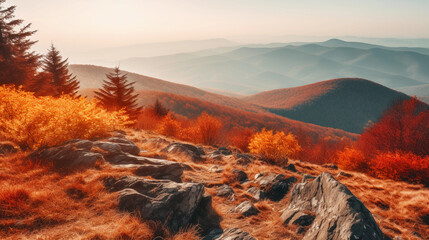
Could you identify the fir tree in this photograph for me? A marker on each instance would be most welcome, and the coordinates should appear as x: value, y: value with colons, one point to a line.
x: 63, y: 81
x: 18, y: 63
x: 117, y: 93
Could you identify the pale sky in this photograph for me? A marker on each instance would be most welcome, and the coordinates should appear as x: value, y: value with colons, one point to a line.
x: 86, y: 24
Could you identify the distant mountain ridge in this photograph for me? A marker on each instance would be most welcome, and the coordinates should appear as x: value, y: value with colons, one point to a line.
x: 347, y: 103
x: 255, y: 68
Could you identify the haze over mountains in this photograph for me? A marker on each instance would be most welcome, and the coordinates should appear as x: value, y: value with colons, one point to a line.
x: 255, y: 68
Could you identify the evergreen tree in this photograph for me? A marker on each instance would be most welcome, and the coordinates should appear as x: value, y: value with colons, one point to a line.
x: 117, y: 93
x: 18, y: 63
x: 63, y: 81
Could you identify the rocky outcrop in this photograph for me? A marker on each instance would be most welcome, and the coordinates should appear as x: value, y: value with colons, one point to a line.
x: 257, y: 194
x: 274, y: 186
x: 331, y: 210
x: 235, y: 234
x: 176, y: 205
x: 73, y: 154
x: 185, y: 150
x: 246, y: 209
x: 79, y: 153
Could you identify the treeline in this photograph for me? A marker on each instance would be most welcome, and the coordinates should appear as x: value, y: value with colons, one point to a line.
x: 48, y: 75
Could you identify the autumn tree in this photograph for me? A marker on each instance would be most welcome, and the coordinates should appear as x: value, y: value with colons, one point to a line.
x: 57, y: 67
x: 118, y: 93
x: 18, y: 63
x: 404, y: 127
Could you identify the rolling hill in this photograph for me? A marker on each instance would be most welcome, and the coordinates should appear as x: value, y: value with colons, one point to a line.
x: 91, y: 76
x: 255, y: 68
x: 347, y: 103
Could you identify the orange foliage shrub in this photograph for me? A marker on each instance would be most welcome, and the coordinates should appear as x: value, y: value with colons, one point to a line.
x: 352, y: 159
x: 32, y: 122
x: 274, y: 147
x: 402, y: 166
x: 208, y: 128
x: 169, y: 126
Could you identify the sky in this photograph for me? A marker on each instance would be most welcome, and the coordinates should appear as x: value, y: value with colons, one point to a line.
x: 87, y: 24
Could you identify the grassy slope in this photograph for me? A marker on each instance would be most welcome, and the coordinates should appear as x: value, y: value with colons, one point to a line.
x: 76, y: 206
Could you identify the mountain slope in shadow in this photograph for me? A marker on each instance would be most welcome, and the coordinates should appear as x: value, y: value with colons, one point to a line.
x: 346, y: 103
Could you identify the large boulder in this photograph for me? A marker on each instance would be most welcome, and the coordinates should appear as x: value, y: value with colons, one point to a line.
x: 235, y: 234
x: 185, y: 150
x: 176, y: 205
x: 274, y: 186
x: 331, y: 210
x: 71, y: 155
x: 161, y: 169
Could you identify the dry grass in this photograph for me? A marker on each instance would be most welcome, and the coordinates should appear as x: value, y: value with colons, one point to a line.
x: 76, y: 206
x: 38, y: 203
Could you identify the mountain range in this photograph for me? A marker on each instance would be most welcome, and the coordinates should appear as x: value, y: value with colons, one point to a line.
x: 256, y: 68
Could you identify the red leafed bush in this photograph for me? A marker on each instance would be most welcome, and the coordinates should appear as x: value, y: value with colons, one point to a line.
x: 404, y: 127
x: 209, y: 128
x: 402, y: 166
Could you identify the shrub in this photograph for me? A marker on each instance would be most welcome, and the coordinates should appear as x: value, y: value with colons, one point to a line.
x: 208, y: 128
x: 401, y: 166
x: 274, y: 147
x: 352, y: 159
x: 148, y: 119
x: 169, y: 126
x: 32, y: 122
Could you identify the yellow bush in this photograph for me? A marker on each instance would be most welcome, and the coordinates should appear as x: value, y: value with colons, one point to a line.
x: 32, y: 122
x: 274, y: 147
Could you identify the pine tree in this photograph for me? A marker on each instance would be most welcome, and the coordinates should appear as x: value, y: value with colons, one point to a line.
x: 18, y: 63
x: 117, y: 93
x: 61, y: 79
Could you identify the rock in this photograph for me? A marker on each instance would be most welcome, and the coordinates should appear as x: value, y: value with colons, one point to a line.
x: 343, y: 174
x: 246, y: 209
x: 7, y: 147
x: 298, y: 218
x: 224, y: 191
x: 240, y: 175
x: 338, y: 213
x: 125, y: 145
x: 223, y: 151
x: 256, y: 193
x: 215, y: 156
x: 306, y: 177
x: 331, y: 165
x: 274, y: 186
x: 183, y: 149
x: 71, y: 155
x: 206, y: 217
x: 176, y: 205
x: 290, y: 167
x: 243, y: 159
x: 165, y: 170
x: 235, y: 234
